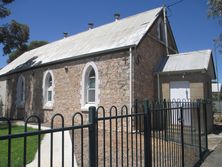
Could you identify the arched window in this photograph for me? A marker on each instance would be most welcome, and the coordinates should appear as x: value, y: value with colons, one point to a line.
x: 48, y: 89
x: 161, y: 30
x: 90, y: 89
x: 20, y: 98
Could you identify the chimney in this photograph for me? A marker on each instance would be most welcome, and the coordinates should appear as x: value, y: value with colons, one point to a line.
x: 90, y: 26
x: 65, y: 34
x: 117, y: 16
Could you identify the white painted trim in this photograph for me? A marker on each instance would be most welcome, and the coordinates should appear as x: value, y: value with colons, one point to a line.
x: 47, y: 104
x: 84, y: 105
x: 20, y: 103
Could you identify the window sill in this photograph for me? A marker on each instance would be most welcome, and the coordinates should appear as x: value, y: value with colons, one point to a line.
x: 48, y: 106
x: 85, y: 108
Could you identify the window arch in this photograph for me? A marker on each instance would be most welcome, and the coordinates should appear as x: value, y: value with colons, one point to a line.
x: 20, y: 98
x: 48, y: 89
x: 90, y: 89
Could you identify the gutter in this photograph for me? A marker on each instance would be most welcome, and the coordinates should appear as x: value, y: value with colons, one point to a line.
x: 67, y: 60
x: 179, y: 72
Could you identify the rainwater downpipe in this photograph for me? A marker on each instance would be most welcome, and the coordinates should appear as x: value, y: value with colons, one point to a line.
x: 130, y: 84
x: 165, y: 29
x: 158, y: 86
x: 167, y: 49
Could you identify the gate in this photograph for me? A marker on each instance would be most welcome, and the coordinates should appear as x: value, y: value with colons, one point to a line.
x: 146, y: 135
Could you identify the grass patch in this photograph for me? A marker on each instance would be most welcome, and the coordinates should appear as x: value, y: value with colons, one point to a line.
x: 17, y: 147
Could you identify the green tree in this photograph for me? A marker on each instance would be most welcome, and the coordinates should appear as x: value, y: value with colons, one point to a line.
x: 3, y: 10
x: 13, y: 35
x: 16, y: 53
x: 215, y: 11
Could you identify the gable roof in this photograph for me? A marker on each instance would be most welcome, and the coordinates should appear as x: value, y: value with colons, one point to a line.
x: 189, y: 61
x: 119, y: 34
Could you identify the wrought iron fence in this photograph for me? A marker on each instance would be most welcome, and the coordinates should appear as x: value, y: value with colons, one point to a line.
x: 165, y: 133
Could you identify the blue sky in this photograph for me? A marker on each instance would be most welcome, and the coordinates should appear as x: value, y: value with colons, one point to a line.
x: 48, y: 19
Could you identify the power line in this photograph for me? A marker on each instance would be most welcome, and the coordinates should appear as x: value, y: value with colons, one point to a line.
x: 174, y: 3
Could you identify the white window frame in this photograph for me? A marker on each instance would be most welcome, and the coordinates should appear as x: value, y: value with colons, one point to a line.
x: 20, y: 92
x: 46, y: 103
x: 88, y: 88
x: 84, y: 87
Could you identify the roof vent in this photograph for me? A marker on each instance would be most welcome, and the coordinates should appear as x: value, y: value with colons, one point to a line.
x: 90, y: 26
x: 65, y: 34
x: 117, y: 16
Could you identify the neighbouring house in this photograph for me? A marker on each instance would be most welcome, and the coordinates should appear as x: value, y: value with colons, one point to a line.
x: 217, y: 97
x: 113, y: 64
x: 216, y: 91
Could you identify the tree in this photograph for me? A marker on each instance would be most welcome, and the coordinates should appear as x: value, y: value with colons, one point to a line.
x: 215, y: 11
x: 3, y: 10
x: 16, y: 53
x: 215, y: 8
x: 13, y: 35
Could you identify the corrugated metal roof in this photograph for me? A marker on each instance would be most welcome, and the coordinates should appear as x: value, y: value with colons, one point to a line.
x: 118, y: 34
x: 216, y: 87
x: 189, y: 61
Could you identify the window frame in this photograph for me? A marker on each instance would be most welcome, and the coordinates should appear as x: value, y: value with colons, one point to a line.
x: 91, y: 89
x: 85, y: 103
x: 48, y: 86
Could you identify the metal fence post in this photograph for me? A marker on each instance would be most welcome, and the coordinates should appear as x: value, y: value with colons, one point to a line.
x: 205, y: 122
x: 199, y: 128
x: 147, y: 135
x: 182, y: 134
x: 93, y: 120
x: 165, y: 118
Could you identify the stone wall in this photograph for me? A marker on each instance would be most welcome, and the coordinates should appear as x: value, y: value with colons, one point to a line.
x: 146, y: 58
x: 114, y: 86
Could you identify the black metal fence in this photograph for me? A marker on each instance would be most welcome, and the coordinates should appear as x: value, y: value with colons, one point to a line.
x: 155, y: 134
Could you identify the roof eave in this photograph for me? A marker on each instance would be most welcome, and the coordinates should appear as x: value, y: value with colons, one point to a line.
x: 70, y: 59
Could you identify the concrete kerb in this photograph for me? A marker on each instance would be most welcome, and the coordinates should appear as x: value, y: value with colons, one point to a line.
x: 57, y: 148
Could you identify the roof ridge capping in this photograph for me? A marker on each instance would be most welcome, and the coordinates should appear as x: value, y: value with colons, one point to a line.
x: 95, y: 28
x: 159, y: 9
x: 147, y: 11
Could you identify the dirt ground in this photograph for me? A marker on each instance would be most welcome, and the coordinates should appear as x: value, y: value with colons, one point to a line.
x: 123, y: 152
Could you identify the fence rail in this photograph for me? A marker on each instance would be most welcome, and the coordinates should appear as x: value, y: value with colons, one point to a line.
x: 166, y: 133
